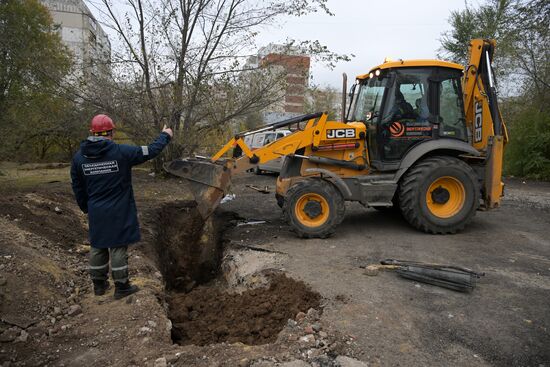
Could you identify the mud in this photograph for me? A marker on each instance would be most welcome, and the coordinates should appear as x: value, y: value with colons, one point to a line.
x: 209, y: 315
x: 189, y: 249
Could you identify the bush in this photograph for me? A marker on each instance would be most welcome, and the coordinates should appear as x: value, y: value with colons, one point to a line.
x: 528, y: 152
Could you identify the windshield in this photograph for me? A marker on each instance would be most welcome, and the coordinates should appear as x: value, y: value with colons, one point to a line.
x: 369, y: 99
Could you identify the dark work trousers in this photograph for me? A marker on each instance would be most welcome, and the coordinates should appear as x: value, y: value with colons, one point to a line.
x: 99, y: 263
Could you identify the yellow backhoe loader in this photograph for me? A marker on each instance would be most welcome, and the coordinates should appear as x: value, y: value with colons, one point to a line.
x: 424, y: 136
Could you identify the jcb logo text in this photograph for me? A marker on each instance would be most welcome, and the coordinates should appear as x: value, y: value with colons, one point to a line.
x: 478, y: 124
x: 340, y: 133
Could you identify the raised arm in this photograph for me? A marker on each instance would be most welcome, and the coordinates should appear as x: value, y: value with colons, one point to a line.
x: 139, y: 154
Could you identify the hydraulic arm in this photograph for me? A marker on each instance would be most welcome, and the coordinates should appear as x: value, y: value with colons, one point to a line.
x: 210, y: 178
x: 483, y: 117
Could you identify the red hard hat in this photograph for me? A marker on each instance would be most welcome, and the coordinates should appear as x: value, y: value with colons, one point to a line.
x: 101, y: 123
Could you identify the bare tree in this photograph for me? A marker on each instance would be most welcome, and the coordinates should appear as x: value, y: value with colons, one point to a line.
x: 185, y: 63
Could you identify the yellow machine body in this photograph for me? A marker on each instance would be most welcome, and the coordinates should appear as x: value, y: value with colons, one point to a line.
x: 334, y: 155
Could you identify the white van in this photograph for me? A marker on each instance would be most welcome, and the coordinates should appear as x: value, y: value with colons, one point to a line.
x: 261, y: 139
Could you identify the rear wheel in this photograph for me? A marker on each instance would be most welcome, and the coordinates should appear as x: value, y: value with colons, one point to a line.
x: 314, y: 208
x: 439, y: 195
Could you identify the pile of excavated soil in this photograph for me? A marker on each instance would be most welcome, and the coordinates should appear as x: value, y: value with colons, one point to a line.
x: 188, y: 248
x: 53, y: 215
x: 207, y: 315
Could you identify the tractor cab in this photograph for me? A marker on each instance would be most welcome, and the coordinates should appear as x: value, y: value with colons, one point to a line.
x: 405, y: 103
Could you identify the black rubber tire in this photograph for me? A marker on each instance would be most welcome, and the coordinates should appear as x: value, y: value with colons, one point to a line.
x: 414, y: 185
x: 329, y: 192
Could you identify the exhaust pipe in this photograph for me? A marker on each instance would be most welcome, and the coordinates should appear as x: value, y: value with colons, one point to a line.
x: 344, y: 91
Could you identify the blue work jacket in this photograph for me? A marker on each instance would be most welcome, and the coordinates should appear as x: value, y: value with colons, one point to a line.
x: 101, y: 174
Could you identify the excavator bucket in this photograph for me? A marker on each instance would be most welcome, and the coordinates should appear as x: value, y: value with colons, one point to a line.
x: 208, y: 181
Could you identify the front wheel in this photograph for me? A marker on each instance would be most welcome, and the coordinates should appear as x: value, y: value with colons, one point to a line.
x: 439, y: 195
x: 313, y: 208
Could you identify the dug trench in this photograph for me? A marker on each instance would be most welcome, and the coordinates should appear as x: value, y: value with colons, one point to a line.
x: 204, y: 308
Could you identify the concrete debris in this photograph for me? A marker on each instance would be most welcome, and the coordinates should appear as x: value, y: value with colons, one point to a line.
x: 343, y: 361
x: 251, y: 223
x: 295, y: 363
x: 74, y: 310
x: 144, y: 330
x: 264, y: 190
x: 9, y: 335
x: 23, y: 337
x: 291, y: 323
x: 309, y: 338
x: 160, y: 362
x: 82, y: 249
x: 228, y: 198
x: 313, y: 314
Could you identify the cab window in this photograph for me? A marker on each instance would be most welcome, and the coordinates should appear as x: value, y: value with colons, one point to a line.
x: 408, y: 99
x: 369, y: 99
x: 258, y: 140
x: 269, y: 138
x: 451, y: 110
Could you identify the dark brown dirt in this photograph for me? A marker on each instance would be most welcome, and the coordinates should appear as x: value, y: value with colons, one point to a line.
x: 208, y: 315
x: 188, y: 248
x: 52, y: 215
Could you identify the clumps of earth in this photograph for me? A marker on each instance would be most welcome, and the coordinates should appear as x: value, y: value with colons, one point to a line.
x: 189, y: 253
x: 209, y: 315
x: 231, y: 315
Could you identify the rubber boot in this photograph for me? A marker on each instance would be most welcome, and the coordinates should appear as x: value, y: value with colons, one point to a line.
x: 100, y: 287
x: 123, y: 290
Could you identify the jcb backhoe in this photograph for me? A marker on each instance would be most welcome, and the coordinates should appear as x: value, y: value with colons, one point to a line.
x: 424, y: 136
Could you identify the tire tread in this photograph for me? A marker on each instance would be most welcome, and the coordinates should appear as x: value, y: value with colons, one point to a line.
x: 409, y: 194
x: 315, y: 185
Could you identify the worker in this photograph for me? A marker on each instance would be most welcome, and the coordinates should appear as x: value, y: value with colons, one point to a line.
x: 102, y: 183
x: 401, y: 108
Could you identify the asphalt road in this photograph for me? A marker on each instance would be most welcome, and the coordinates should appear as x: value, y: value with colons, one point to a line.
x: 505, y: 321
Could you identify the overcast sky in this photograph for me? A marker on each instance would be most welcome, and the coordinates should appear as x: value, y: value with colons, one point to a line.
x: 371, y: 30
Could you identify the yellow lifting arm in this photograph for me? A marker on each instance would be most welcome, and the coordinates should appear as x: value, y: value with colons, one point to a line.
x: 483, y: 116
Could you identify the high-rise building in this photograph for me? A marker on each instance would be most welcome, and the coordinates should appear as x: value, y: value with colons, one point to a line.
x: 295, y: 66
x: 83, y: 35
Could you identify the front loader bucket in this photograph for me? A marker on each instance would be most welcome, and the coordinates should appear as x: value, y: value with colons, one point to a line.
x: 208, y: 181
